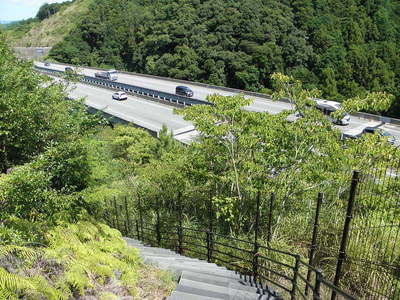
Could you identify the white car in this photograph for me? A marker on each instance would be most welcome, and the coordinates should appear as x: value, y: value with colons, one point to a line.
x: 119, y: 96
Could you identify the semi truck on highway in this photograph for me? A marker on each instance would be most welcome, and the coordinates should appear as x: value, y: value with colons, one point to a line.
x: 109, y: 75
x: 328, y: 107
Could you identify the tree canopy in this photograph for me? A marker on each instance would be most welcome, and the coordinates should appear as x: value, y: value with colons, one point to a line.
x: 47, y: 10
x: 344, y: 50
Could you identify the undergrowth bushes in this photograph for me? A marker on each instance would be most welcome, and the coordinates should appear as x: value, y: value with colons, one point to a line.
x: 81, y: 259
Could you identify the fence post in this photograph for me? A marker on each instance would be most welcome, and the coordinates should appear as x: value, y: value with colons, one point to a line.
x: 158, y: 232
x: 120, y: 213
x: 346, y: 230
x: 137, y: 229
x: 128, y: 221
x: 317, y: 287
x: 256, y: 246
x: 180, y: 232
x: 116, y: 213
x: 107, y: 214
x: 210, y: 243
x: 295, y: 275
x: 314, y: 239
x: 140, y: 217
x: 112, y: 215
x: 269, y: 233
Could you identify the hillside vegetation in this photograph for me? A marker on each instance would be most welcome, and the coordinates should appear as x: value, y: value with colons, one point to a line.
x: 343, y: 49
x: 52, y: 23
x: 241, y: 153
x: 53, y: 241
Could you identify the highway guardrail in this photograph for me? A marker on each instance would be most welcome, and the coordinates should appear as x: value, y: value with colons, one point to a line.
x: 363, y: 115
x: 132, y: 89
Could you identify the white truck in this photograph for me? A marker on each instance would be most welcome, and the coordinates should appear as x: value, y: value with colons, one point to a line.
x: 109, y: 75
x: 327, y: 107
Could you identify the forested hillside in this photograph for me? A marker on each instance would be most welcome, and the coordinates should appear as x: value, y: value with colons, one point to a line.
x: 343, y: 48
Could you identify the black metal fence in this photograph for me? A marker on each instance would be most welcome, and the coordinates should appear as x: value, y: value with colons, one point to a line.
x: 293, y: 275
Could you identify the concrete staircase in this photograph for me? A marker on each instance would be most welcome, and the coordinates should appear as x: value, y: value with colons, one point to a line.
x: 200, y: 280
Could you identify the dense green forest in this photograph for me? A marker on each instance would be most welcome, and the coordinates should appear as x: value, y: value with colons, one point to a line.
x: 344, y: 48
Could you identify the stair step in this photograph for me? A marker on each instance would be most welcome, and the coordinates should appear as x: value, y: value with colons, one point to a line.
x: 180, y: 266
x: 210, y: 290
x: 152, y: 253
x: 211, y: 278
x: 185, y: 296
x: 220, y: 281
x: 155, y: 250
x: 178, y: 269
x: 130, y: 241
x: 200, y: 280
x: 179, y: 259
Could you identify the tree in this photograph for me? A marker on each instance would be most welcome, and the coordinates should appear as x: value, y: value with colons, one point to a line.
x: 47, y: 10
x: 33, y: 112
x: 240, y: 151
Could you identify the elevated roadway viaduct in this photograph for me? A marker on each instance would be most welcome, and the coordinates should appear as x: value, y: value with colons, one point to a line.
x: 153, y: 115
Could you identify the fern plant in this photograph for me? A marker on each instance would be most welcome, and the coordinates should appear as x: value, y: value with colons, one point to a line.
x: 81, y: 257
x: 11, y: 284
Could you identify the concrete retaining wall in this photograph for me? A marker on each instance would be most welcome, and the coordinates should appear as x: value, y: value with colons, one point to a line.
x: 31, y: 52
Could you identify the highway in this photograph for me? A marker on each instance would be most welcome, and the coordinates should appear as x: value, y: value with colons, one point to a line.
x: 151, y: 114
x: 144, y: 113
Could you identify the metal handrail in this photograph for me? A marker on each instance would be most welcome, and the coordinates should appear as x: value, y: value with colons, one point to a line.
x: 233, y: 247
x: 276, y: 283
x: 233, y: 256
x: 247, y: 261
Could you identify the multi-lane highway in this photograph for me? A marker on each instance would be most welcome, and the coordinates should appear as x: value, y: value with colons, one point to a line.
x: 142, y: 112
x: 155, y: 114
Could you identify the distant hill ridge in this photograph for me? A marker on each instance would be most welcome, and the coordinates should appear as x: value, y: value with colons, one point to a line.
x: 51, y: 30
x: 343, y: 50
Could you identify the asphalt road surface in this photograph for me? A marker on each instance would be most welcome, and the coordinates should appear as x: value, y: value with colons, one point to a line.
x: 144, y: 113
x: 148, y: 115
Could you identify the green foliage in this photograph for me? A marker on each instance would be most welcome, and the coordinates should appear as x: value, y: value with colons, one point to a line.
x: 10, y: 284
x: 344, y: 50
x: 67, y: 165
x: 17, y: 30
x: 25, y: 192
x: 79, y: 260
x: 133, y: 145
x: 46, y: 10
x: 46, y: 188
x: 33, y: 112
x: 240, y: 153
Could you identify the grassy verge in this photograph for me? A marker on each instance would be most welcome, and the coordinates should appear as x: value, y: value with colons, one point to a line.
x: 32, y: 33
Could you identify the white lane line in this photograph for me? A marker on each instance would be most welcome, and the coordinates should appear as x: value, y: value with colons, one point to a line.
x: 147, y: 102
x: 172, y: 120
x: 259, y: 104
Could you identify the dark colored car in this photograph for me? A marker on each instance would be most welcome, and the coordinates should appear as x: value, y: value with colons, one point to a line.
x: 69, y: 70
x: 391, y: 139
x: 47, y: 64
x: 183, y: 91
